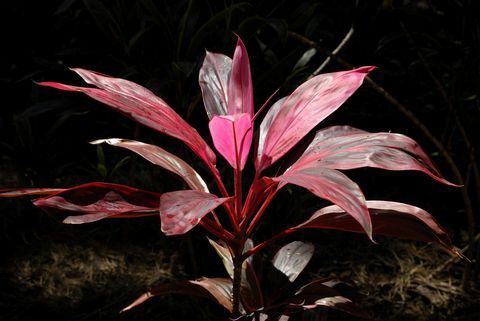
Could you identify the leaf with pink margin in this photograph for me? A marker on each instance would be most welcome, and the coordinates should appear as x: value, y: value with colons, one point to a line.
x: 232, y: 135
x: 213, y: 78
x: 389, y: 219
x: 216, y: 289
x: 180, y: 211
x: 18, y: 192
x: 240, y: 88
x: 334, y: 186
x: 142, y: 105
x: 344, y: 147
x: 95, y: 201
x: 162, y: 158
x: 300, y: 112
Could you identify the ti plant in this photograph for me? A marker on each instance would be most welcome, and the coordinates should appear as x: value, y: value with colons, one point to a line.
x: 227, y: 90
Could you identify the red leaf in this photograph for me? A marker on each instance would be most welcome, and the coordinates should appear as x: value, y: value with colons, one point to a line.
x: 240, y: 88
x: 16, y: 192
x: 324, y: 292
x: 142, y: 105
x: 180, y: 211
x: 217, y: 289
x: 389, y: 219
x: 161, y: 157
x: 334, y: 186
x: 343, y: 147
x: 95, y: 201
x: 314, y: 100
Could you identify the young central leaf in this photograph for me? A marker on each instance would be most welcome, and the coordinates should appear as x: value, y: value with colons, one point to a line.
x: 232, y: 137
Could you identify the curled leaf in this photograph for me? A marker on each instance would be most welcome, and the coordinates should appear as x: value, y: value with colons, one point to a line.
x: 389, y: 219
x: 95, y: 201
x: 216, y: 289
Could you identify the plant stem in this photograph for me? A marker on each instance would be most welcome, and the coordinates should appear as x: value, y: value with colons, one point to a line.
x: 260, y: 246
x: 237, y: 281
x: 262, y: 209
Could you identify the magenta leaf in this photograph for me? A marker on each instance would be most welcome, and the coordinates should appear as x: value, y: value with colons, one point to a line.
x: 180, y: 211
x: 16, y: 192
x: 143, y: 106
x: 389, y: 219
x: 161, y: 157
x: 216, y: 289
x: 232, y: 137
x: 240, y: 88
x: 95, y: 201
x: 213, y: 79
x: 292, y: 258
x: 343, y: 147
x: 334, y: 186
x: 314, y: 100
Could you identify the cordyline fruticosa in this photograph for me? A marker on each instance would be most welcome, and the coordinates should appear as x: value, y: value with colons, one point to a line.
x: 226, y: 86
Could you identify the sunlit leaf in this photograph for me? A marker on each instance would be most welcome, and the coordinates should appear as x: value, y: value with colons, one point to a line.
x: 300, y: 112
x: 180, y: 211
x: 344, y: 147
x: 142, y: 105
x: 292, y: 258
x: 161, y: 157
x: 334, y: 186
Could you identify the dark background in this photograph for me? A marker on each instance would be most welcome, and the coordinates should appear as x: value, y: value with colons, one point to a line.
x: 427, y: 53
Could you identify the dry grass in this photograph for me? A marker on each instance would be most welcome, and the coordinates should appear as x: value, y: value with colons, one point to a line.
x: 406, y: 281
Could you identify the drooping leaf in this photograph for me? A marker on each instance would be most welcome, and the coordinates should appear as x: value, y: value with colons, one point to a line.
x: 292, y: 258
x: 95, y: 201
x: 240, y: 88
x: 161, y: 157
x: 143, y: 106
x: 389, y: 219
x: 334, y: 186
x: 232, y: 136
x: 213, y: 79
x: 344, y: 147
x: 16, y: 192
x: 180, y: 211
x: 300, y: 112
x: 326, y: 293
x: 216, y: 289
x: 225, y: 254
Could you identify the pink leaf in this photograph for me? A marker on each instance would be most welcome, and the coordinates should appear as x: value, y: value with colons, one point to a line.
x: 143, y: 106
x: 180, y: 211
x: 232, y: 136
x: 161, y: 157
x: 388, y: 218
x: 213, y: 79
x: 240, y: 88
x: 217, y: 289
x: 334, y: 186
x: 343, y: 147
x: 95, y: 201
x: 299, y: 113
x: 16, y: 192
